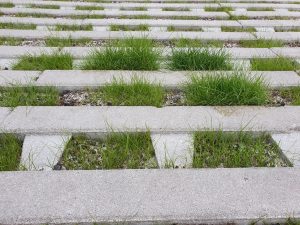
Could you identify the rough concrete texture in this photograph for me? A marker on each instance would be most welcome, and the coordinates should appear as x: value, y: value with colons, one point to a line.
x: 173, y: 150
x: 199, y: 196
x: 290, y: 146
x: 4, y: 112
x: 77, y: 79
x: 44, y: 120
x: 42, y: 152
x: 8, y: 77
x: 287, y: 52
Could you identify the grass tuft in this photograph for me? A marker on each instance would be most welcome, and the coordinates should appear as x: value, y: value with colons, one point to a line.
x: 173, y: 28
x: 141, y: 27
x: 116, y: 151
x: 28, y: 96
x: 199, y: 59
x: 133, y: 9
x: 10, y: 152
x: 139, y: 92
x: 10, y: 41
x: 131, y: 54
x: 6, y: 5
x: 273, y: 64
x: 81, y: 7
x: 69, y: 42
x: 74, y: 27
x: 237, y: 29
x: 259, y: 9
x: 235, y: 149
x: 17, y: 26
x: 43, y: 6
x: 218, y: 9
x: 176, y: 9
x: 292, y: 94
x: 225, y: 89
x: 194, y: 43
x: 55, y: 61
x: 261, y: 43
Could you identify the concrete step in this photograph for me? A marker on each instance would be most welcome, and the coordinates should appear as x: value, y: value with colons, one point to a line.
x: 195, y: 196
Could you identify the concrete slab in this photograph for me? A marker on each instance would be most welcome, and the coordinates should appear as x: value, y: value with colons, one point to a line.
x: 77, y: 79
x: 290, y: 146
x: 173, y: 150
x: 99, y: 119
x: 284, y: 36
x: 287, y: 52
x: 264, y: 29
x: 270, y: 23
x: 4, y: 112
x: 42, y: 152
x: 10, y: 77
x: 9, y: 52
x: 196, y: 196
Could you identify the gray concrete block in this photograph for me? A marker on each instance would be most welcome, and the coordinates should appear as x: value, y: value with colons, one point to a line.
x: 270, y: 23
x: 198, y: 196
x: 10, y: 52
x: 49, y: 120
x: 4, y: 112
x: 264, y: 29
x: 287, y: 52
x: 173, y: 150
x: 9, y: 77
x: 284, y: 36
x: 290, y: 146
x: 42, y: 152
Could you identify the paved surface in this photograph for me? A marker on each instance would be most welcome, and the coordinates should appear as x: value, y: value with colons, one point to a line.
x: 150, y: 196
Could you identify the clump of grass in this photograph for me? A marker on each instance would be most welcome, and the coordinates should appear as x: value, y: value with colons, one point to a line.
x: 184, y: 17
x: 131, y: 54
x: 10, y: 41
x: 43, y: 6
x: 261, y: 43
x: 81, y: 7
x: 90, y: 16
x: 218, y: 9
x: 176, y: 9
x: 10, y: 152
x: 138, y: 17
x: 193, y: 43
x: 139, y: 92
x: 141, y: 27
x: 116, y: 151
x: 233, y: 17
x: 172, y: 28
x: 35, y: 15
x: 133, y: 9
x: 17, y: 26
x: 28, y: 96
x: 292, y: 94
x: 225, y: 89
x: 6, y: 5
x: 259, y: 9
x: 273, y: 64
x: 199, y: 59
x: 54, y: 61
x: 235, y: 149
x: 60, y: 42
x: 237, y: 29
x: 280, y: 29
x: 74, y: 27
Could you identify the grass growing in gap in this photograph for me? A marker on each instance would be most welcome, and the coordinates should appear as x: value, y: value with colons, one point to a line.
x: 138, y: 17
x: 28, y: 96
x: 233, y: 17
x: 140, y: 27
x: 139, y: 92
x: 259, y: 9
x: 218, y: 9
x: 172, y: 28
x: 133, y: 9
x: 273, y: 64
x: 116, y: 151
x: 237, y: 29
x: 91, y: 16
x: 225, y: 89
x: 10, y: 41
x: 35, y: 15
x: 10, y: 152
x: 176, y: 9
x: 294, y: 29
x: 43, y: 6
x: 193, y: 43
x: 81, y: 7
x: 199, y: 59
x: 60, y: 42
x: 62, y: 27
x: 293, y: 94
x: 17, y: 26
x: 261, y: 43
x: 184, y: 17
x: 130, y: 54
x: 54, y: 61
x: 6, y: 5
x: 234, y: 149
